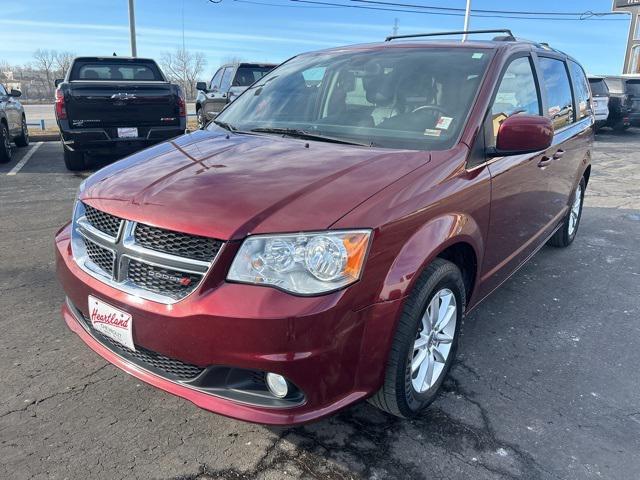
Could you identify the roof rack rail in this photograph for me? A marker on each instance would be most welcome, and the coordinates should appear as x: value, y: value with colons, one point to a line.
x: 509, y: 35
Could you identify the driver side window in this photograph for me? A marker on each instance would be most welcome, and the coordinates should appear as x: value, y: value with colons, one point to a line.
x: 517, y: 93
x: 215, y: 81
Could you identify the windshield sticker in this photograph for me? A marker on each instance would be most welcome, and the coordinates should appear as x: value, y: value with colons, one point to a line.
x: 477, y: 55
x: 432, y: 133
x: 443, y: 123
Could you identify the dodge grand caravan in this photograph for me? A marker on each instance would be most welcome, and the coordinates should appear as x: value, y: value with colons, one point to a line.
x: 320, y: 242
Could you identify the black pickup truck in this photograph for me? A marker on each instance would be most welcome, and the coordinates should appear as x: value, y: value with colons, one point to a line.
x: 116, y: 105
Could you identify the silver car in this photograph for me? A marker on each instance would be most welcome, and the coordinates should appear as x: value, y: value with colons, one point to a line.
x: 228, y: 82
x: 599, y: 100
x: 13, y: 123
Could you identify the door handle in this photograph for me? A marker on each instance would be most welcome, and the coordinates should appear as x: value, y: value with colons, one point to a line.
x: 558, y: 155
x: 544, y: 162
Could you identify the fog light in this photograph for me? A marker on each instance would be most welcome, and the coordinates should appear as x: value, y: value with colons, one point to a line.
x: 277, y: 385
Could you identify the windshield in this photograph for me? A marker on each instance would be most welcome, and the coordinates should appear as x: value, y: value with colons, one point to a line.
x: 246, y: 75
x: 598, y: 87
x: 414, y: 98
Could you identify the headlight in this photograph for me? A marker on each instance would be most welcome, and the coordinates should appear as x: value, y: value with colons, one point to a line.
x: 304, y: 263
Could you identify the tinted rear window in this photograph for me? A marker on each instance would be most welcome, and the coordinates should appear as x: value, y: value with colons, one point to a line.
x: 245, y: 76
x: 598, y: 87
x: 615, y: 85
x: 116, y: 71
x: 633, y: 87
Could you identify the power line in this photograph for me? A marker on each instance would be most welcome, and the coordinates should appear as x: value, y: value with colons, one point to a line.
x: 512, y: 12
x: 405, y: 8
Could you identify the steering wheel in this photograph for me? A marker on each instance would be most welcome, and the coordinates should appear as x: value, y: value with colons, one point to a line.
x: 436, y: 108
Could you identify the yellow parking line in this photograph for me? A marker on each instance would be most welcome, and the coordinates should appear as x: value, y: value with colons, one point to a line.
x: 24, y: 160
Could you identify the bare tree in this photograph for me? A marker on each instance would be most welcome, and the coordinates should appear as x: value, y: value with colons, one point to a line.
x: 63, y: 62
x: 4, y: 69
x: 45, y: 61
x: 184, y: 68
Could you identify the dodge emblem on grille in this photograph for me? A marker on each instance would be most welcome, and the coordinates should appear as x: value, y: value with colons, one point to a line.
x: 184, y: 281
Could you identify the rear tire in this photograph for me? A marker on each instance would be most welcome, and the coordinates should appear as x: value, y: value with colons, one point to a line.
x: 407, y: 389
x: 569, y: 229
x: 23, y: 139
x: 5, y: 144
x: 74, y: 161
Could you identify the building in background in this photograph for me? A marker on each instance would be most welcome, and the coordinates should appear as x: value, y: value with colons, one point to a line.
x: 632, y: 55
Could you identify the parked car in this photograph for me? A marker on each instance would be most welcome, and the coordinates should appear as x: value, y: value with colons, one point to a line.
x: 321, y: 240
x: 13, y: 123
x: 622, y: 108
x: 116, y: 105
x: 600, y: 100
x: 228, y: 82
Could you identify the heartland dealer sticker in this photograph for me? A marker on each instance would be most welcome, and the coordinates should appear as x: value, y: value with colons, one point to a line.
x: 112, y: 322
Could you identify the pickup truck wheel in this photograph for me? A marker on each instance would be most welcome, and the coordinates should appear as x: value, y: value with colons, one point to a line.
x: 74, y: 161
x: 5, y: 144
x: 425, y: 342
x: 201, y: 119
x: 567, y: 232
x: 23, y: 139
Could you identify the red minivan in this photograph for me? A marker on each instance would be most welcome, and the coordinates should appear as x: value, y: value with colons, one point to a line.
x: 320, y: 242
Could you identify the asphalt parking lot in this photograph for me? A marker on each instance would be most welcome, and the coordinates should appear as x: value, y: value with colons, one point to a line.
x: 547, y: 383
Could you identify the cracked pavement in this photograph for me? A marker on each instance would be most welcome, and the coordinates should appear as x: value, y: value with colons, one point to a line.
x: 546, y: 385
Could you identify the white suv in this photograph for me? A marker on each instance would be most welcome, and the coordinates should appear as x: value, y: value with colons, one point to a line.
x: 599, y: 100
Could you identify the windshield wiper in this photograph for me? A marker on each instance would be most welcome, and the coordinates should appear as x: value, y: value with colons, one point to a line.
x: 298, y: 133
x: 225, y: 125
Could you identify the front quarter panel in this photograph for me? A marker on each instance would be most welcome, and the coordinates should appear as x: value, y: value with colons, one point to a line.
x: 418, y: 217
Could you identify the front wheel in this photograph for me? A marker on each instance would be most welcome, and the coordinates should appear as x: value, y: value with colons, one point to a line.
x: 567, y: 232
x: 201, y: 118
x: 23, y: 139
x: 5, y: 144
x: 425, y: 342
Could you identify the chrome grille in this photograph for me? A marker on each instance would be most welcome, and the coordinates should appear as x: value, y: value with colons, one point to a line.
x: 102, y: 257
x: 162, y: 280
x: 127, y: 261
x: 182, y: 244
x: 103, y: 221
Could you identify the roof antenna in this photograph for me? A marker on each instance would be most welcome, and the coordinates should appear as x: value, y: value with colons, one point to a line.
x: 114, y: 54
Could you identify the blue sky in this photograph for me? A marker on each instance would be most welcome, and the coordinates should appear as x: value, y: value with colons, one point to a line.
x: 270, y: 33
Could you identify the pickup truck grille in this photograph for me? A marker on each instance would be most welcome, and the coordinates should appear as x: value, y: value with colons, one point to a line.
x: 151, y: 262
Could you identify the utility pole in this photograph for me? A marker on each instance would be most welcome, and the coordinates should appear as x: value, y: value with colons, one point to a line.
x: 132, y: 28
x: 467, y: 14
x: 395, y: 27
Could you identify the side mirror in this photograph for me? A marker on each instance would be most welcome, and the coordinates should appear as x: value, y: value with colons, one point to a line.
x: 520, y: 134
x: 201, y: 86
x: 15, y: 93
x: 58, y: 81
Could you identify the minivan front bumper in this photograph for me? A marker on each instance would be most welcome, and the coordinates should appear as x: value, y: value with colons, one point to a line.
x: 333, y: 355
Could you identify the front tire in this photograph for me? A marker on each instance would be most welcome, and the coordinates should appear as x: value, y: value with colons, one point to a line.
x: 569, y: 229
x: 74, y: 161
x: 425, y: 342
x: 201, y: 119
x: 23, y: 139
x: 5, y: 144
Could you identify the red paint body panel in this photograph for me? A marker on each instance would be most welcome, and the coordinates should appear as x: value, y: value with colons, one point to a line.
x: 334, y: 347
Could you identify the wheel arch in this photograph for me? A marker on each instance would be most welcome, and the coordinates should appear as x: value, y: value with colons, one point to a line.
x: 586, y: 174
x: 454, y: 237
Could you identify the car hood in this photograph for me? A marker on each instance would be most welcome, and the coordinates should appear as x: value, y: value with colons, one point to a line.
x: 230, y: 185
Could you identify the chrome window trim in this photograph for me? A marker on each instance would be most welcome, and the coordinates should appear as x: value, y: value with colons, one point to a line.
x: 124, y: 249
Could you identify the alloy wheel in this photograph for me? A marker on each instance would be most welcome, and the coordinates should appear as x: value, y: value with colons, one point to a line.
x: 433, y: 341
x: 574, y: 215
